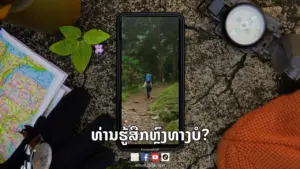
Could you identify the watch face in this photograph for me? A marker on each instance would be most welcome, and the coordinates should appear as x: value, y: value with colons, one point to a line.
x: 245, y: 24
x: 42, y: 156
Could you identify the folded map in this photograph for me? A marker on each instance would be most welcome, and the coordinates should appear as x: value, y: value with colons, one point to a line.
x: 28, y: 85
x: 59, y: 95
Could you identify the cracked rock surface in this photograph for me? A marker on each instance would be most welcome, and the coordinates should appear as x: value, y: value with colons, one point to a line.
x: 222, y: 83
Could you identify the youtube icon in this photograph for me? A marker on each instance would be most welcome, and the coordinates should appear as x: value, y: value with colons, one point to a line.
x: 155, y: 157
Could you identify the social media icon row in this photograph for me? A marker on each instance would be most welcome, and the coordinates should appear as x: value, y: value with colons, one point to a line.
x: 153, y: 157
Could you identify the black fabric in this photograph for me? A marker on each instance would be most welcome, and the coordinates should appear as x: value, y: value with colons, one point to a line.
x: 148, y: 92
x: 101, y: 159
x: 287, y: 85
x: 69, y: 152
x: 61, y: 122
x: 148, y: 89
x: 81, y: 148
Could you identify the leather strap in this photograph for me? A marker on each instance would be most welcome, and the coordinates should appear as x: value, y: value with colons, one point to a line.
x: 37, y: 139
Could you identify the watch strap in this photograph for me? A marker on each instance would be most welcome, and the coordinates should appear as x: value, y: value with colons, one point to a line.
x: 286, y: 56
x: 279, y: 56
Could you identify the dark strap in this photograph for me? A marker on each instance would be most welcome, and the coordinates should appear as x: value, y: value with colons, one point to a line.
x: 218, y: 9
x: 286, y: 56
x: 279, y: 56
x: 37, y: 139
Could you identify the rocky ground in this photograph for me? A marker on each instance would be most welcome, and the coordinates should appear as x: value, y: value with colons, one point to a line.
x: 222, y: 84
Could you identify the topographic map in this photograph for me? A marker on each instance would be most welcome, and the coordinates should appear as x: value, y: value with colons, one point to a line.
x: 23, y: 86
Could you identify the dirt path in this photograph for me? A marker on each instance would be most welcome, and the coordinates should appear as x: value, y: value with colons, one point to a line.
x: 136, y: 110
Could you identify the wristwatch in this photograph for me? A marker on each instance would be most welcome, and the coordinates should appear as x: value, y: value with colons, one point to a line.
x: 38, y: 154
x: 245, y: 26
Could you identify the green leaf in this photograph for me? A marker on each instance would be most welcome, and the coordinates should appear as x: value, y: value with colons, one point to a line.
x: 74, y: 46
x: 81, y: 57
x: 70, y: 32
x: 95, y: 36
x: 64, y: 47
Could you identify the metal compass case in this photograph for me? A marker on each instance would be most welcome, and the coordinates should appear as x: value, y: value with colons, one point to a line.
x: 244, y: 25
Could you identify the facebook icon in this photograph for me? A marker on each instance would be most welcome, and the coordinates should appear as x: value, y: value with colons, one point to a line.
x: 145, y: 156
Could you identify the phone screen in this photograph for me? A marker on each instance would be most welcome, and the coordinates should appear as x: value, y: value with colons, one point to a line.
x: 150, y: 83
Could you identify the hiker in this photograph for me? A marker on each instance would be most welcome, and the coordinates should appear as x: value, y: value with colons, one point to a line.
x: 268, y: 137
x: 148, y: 84
x: 57, y: 130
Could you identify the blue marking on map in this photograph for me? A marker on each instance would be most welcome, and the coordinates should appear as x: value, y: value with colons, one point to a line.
x: 22, y: 125
x: 15, y: 51
x: 4, y: 40
x: 8, y: 78
x: 42, y: 78
x: 11, y: 49
x: 10, y: 149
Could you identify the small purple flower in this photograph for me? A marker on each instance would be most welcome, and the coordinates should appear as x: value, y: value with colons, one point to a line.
x: 99, y: 49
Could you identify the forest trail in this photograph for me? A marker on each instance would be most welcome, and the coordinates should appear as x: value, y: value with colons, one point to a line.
x: 136, y: 110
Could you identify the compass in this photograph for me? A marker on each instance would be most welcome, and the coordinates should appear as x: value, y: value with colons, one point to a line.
x: 245, y: 24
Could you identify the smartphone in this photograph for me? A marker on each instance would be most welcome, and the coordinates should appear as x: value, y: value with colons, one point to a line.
x: 150, y: 80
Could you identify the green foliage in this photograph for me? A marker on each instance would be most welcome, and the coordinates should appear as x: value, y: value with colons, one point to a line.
x: 95, y: 36
x: 132, y: 74
x: 167, y: 104
x: 64, y: 47
x: 154, y: 42
x: 129, y: 90
x: 172, y: 126
x: 80, y: 50
x: 125, y: 95
x: 70, y: 32
x: 82, y: 56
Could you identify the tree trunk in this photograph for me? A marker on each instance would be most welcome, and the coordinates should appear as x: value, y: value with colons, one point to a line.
x: 160, y: 71
x: 163, y: 73
x: 175, y: 65
x: 175, y: 68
